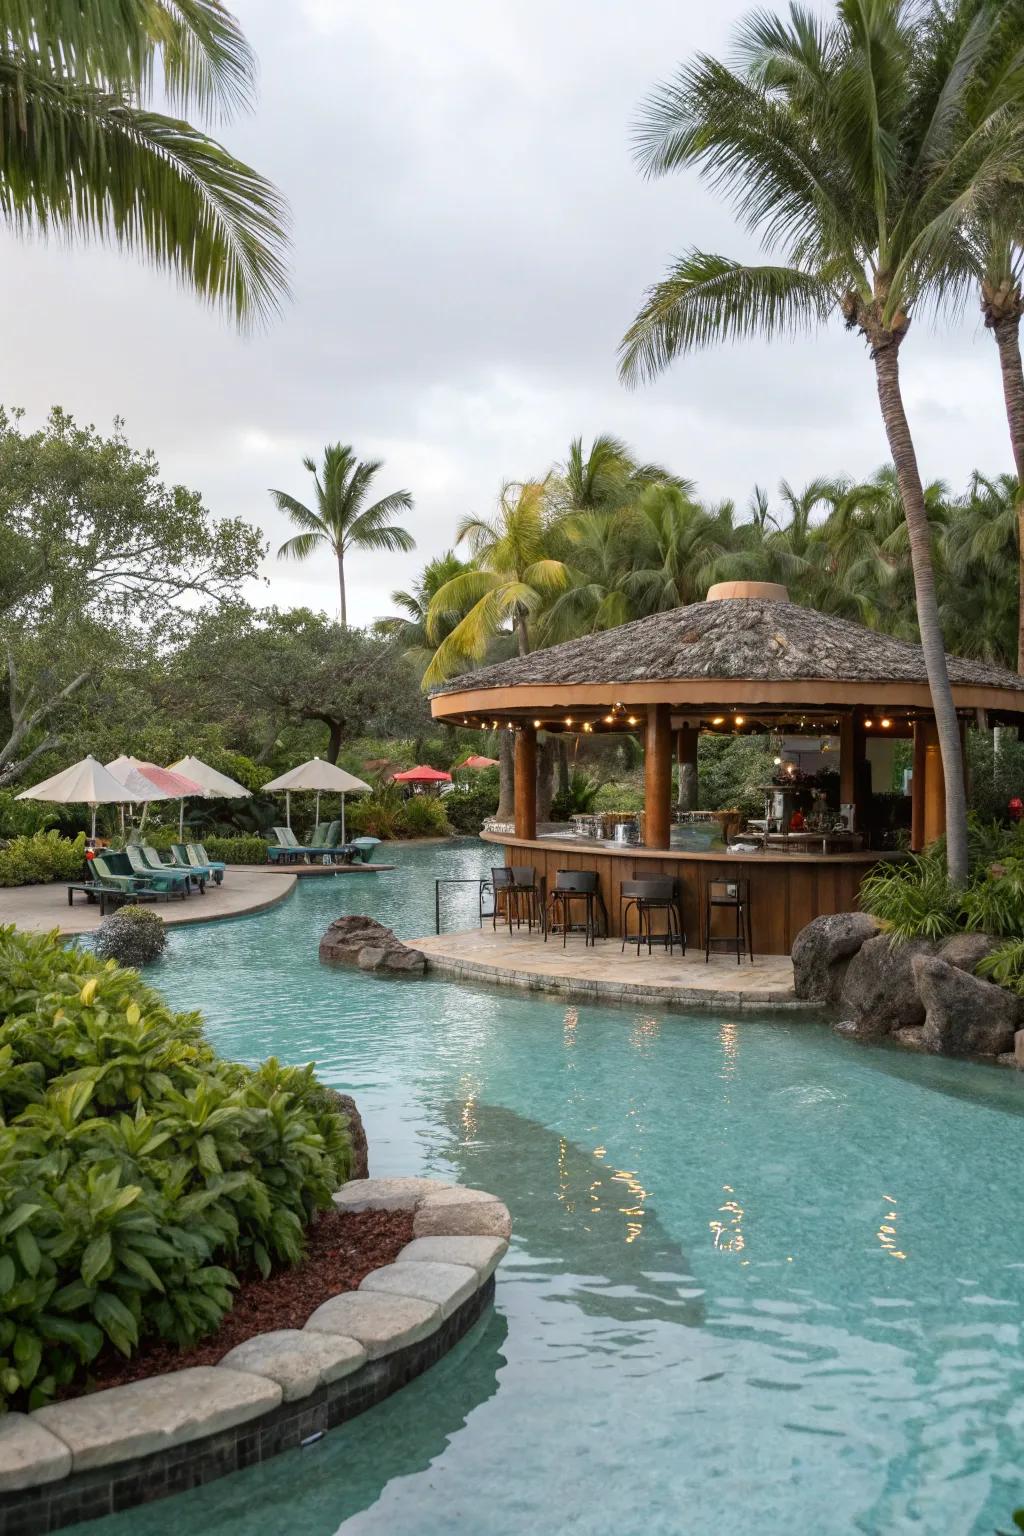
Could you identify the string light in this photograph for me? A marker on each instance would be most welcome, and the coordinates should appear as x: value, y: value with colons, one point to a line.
x: 633, y: 720
x: 886, y: 724
x: 536, y: 725
x: 869, y: 723
x: 718, y: 720
x: 740, y: 720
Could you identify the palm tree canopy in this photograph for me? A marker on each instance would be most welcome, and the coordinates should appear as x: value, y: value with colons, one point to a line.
x: 341, y: 518
x: 80, y: 153
x: 857, y: 156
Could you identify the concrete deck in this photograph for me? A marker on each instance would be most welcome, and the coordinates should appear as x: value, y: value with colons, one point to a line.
x: 246, y: 889
x: 604, y: 973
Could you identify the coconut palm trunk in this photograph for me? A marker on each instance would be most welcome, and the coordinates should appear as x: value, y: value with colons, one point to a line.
x: 1006, y: 331
x: 885, y: 352
x: 343, y: 609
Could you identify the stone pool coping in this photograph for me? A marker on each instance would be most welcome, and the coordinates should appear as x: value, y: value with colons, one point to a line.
x: 111, y: 1450
x: 247, y: 889
x: 602, y: 973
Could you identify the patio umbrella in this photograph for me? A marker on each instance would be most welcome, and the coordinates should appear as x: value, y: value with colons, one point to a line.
x: 421, y: 774
x: 84, y: 783
x: 476, y: 761
x: 211, y: 785
x: 322, y: 776
x: 149, y: 781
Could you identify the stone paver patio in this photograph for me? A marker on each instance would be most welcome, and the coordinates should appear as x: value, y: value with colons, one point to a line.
x: 246, y: 888
x: 603, y: 972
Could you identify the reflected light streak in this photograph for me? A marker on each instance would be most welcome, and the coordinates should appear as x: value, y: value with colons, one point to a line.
x: 887, y: 1234
x: 727, y: 1235
x: 729, y: 1039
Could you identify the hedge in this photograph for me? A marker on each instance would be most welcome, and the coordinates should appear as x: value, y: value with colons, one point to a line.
x: 41, y: 858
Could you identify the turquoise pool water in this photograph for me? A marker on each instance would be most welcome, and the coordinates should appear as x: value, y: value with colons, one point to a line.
x: 761, y: 1280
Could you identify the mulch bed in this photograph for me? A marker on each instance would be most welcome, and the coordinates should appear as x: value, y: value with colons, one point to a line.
x: 342, y: 1248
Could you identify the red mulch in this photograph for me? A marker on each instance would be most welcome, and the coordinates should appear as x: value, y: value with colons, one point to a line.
x: 341, y: 1250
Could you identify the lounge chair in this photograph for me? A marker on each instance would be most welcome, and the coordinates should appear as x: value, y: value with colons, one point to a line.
x: 173, y: 879
x: 115, y: 873
x: 161, y: 866
x: 203, y: 858
x: 289, y: 849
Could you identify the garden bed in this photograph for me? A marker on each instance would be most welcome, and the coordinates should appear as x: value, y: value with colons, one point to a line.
x: 342, y: 1248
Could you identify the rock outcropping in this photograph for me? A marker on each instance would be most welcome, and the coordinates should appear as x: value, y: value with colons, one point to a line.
x: 364, y: 942
x: 823, y: 951
x: 964, y: 1016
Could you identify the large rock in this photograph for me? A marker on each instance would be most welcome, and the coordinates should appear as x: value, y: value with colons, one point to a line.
x: 966, y: 950
x: 823, y: 950
x: 346, y: 1105
x: 964, y: 1016
x: 362, y: 941
x: 880, y: 989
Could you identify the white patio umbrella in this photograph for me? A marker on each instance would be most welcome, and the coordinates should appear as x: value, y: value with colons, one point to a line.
x: 211, y: 785
x: 148, y: 781
x: 84, y: 783
x: 322, y: 776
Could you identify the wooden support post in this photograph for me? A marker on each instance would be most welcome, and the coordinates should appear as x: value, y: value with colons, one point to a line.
x: 917, y: 789
x: 526, y: 782
x: 928, y: 816
x: 687, y: 738
x: 658, y: 777
x: 847, y: 769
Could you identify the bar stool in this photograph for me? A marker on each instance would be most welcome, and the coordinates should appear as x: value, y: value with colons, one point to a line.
x: 501, y: 884
x: 645, y: 897
x: 734, y: 895
x: 526, y: 897
x: 573, y: 885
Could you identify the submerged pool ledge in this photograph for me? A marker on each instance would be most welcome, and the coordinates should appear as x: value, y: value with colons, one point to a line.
x: 604, y: 973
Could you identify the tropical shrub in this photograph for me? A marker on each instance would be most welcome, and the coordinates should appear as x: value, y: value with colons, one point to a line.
x: 426, y: 816
x: 139, y: 1174
x: 468, y: 809
x: 21, y: 818
x: 43, y: 857
x: 236, y: 850
x: 580, y: 799
x: 132, y: 935
x: 616, y: 796
x: 1005, y: 966
x: 913, y: 900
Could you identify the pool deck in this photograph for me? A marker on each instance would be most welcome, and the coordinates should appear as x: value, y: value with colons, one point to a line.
x: 603, y: 973
x: 246, y: 889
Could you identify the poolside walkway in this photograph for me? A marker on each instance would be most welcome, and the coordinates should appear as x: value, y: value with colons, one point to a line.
x: 246, y: 889
x: 604, y: 973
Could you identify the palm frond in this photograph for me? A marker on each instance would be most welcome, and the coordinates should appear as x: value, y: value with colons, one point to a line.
x: 708, y: 298
x: 85, y: 162
x: 301, y: 546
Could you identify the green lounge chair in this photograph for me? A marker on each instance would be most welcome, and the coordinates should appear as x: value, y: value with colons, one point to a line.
x: 288, y: 845
x: 172, y: 879
x: 115, y: 873
x: 195, y: 871
x: 199, y: 860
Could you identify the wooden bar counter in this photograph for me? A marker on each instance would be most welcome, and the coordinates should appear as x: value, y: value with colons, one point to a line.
x: 787, y: 890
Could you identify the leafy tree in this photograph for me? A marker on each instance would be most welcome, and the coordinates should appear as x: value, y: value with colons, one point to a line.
x: 861, y: 164
x: 409, y: 627
x: 82, y: 154
x: 342, y: 520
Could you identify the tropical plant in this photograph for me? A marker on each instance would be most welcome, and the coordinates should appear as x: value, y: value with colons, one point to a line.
x: 861, y: 161
x: 409, y: 627
x: 133, y: 936
x: 1005, y: 966
x: 83, y: 154
x: 579, y: 799
x: 914, y: 899
x: 342, y: 520
x: 139, y: 1175
x: 43, y: 857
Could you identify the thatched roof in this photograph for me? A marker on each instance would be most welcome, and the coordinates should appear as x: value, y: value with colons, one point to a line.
x: 732, y: 638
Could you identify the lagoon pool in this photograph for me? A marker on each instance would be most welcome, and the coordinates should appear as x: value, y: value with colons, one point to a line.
x: 761, y: 1278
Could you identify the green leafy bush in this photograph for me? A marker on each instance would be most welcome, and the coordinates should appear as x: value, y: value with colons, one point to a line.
x: 236, y: 850
x: 425, y: 816
x: 467, y: 810
x: 1005, y: 966
x: 139, y: 1174
x: 43, y: 857
x: 581, y: 798
x: 21, y: 818
x: 913, y: 900
x: 133, y: 936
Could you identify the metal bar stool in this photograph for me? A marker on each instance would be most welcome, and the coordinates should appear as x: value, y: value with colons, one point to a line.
x: 734, y: 895
x: 645, y: 897
x: 501, y: 885
x: 526, y: 896
x: 573, y: 885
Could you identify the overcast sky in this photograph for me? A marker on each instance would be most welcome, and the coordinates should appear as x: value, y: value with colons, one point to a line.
x: 471, y: 239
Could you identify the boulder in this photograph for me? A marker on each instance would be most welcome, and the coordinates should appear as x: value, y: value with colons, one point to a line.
x: 966, y: 950
x: 911, y: 1038
x: 879, y: 990
x: 1018, y: 1050
x: 364, y: 942
x: 823, y: 950
x: 346, y: 1105
x: 964, y: 1016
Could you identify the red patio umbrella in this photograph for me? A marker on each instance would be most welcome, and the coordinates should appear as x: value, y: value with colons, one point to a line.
x: 421, y: 774
x: 475, y: 761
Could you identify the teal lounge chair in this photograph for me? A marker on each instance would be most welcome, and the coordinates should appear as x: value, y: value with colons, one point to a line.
x: 195, y: 871
x: 200, y: 859
x: 172, y: 879
x: 115, y: 873
x: 288, y: 846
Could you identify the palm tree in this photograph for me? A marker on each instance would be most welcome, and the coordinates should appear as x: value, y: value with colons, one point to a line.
x: 409, y: 626
x: 342, y: 521
x: 850, y: 158
x: 81, y: 154
x: 512, y: 576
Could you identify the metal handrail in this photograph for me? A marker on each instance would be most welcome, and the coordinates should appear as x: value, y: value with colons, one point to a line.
x: 483, y: 881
